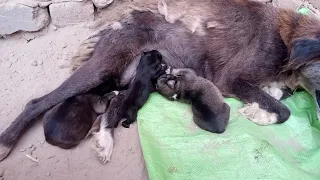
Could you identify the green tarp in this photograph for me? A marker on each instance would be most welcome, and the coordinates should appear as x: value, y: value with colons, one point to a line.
x: 175, y: 148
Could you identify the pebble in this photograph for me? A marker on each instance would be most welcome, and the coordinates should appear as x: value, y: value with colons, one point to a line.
x: 64, y: 45
x: 1, y: 172
x: 8, y: 64
x: 34, y: 63
x: 54, y: 28
x: 30, y: 146
x: 33, y: 148
x: 48, y: 174
x: 39, y: 62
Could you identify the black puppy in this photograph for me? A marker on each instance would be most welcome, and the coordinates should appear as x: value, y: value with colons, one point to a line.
x: 149, y: 69
x: 66, y: 124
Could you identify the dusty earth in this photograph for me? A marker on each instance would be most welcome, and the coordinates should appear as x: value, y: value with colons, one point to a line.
x: 31, y: 65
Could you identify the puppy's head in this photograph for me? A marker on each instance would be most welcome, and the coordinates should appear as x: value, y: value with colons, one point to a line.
x: 172, y: 84
x: 151, y: 63
x: 304, y: 62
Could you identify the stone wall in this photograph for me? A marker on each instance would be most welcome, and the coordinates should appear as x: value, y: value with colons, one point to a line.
x: 32, y: 15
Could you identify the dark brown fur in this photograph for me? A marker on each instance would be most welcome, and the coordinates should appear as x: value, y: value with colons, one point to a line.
x: 247, y: 45
x: 210, y: 112
x: 68, y: 123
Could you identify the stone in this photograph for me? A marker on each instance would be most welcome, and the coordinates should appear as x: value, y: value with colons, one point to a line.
x: 289, y: 4
x: 15, y: 17
x: 34, y: 63
x: 71, y: 13
x: 315, y: 3
x: 102, y: 3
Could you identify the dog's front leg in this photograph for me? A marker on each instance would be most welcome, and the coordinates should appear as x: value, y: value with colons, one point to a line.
x: 261, y: 108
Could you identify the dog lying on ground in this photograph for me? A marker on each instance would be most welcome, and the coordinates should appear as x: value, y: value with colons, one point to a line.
x: 150, y: 67
x: 210, y: 112
x: 239, y: 45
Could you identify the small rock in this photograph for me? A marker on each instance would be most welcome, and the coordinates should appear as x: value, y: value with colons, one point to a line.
x: 8, y: 64
x: 102, y: 3
x: 64, y: 45
x: 39, y: 62
x: 33, y: 148
x: 132, y: 152
x: 48, y: 174
x: 54, y: 27
x: 34, y: 63
x: 1, y: 172
x: 30, y: 146
x: 22, y: 150
x: 130, y: 149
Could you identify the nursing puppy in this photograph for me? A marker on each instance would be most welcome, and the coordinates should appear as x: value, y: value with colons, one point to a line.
x: 68, y: 123
x: 149, y: 69
x: 102, y: 133
x: 211, y: 113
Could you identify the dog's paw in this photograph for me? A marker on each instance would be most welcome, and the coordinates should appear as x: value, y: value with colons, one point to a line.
x: 4, y: 151
x: 102, y: 144
x: 257, y: 115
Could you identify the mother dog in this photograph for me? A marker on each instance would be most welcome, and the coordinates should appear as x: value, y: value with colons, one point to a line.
x: 239, y: 45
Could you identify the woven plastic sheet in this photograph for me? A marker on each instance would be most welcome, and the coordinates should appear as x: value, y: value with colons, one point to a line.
x: 174, y: 148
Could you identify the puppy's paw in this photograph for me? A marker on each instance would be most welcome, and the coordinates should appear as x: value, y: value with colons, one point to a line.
x: 102, y: 144
x: 257, y: 115
x: 4, y: 151
x: 125, y: 124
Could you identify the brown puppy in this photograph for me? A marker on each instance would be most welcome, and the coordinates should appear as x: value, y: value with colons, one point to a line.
x: 210, y: 112
x: 68, y: 123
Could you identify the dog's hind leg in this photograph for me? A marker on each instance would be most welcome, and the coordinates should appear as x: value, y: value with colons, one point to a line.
x: 262, y: 108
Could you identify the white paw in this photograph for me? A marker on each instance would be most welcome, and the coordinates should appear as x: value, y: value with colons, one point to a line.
x: 116, y: 92
x: 102, y: 144
x: 274, y: 89
x: 257, y: 115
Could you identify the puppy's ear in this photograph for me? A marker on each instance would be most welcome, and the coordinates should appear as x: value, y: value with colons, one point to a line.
x: 303, y: 52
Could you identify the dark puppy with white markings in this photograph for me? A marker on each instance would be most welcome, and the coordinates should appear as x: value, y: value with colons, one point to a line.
x: 211, y: 113
x: 149, y: 69
x: 66, y: 124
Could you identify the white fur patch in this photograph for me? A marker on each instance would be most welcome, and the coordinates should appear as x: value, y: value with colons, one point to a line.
x: 102, y: 142
x: 274, y: 89
x: 116, y: 92
x: 257, y: 115
x: 168, y: 70
x: 116, y: 26
x: 174, y: 97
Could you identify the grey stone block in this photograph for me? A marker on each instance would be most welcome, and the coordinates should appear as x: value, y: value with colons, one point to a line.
x: 15, y: 17
x: 70, y: 13
x: 315, y: 3
x: 289, y: 4
x: 101, y: 3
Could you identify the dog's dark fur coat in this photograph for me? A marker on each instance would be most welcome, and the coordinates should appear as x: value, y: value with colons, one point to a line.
x: 210, y: 112
x: 242, y: 46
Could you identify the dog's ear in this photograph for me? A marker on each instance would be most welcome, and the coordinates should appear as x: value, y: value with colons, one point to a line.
x: 302, y: 53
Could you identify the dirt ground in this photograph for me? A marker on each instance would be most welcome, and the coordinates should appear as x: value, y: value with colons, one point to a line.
x: 30, y: 66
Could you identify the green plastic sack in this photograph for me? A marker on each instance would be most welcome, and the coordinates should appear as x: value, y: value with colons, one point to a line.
x: 175, y: 148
